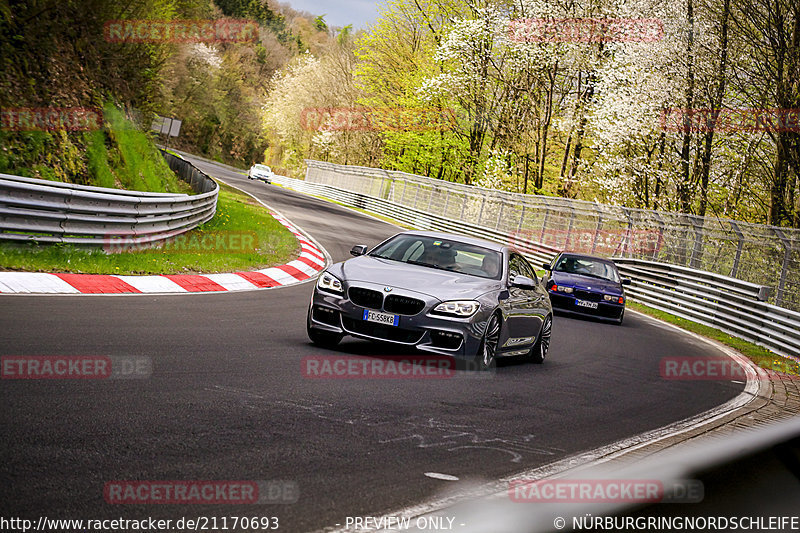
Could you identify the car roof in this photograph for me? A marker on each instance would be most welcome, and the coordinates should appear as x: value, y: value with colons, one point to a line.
x: 460, y: 238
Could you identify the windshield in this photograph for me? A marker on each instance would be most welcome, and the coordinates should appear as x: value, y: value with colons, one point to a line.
x: 586, y: 266
x: 442, y: 254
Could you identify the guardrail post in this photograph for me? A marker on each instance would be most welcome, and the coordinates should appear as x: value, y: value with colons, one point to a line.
x: 660, y: 243
x: 500, y: 213
x: 629, y: 248
x: 787, y: 255
x: 697, y: 249
x: 544, y: 223
x: 597, y: 230
x: 569, y: 227
x: 739, y: 246
x: 446, y: 201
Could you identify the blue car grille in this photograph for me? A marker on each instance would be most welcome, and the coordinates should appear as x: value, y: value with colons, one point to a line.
x: 588, y: 296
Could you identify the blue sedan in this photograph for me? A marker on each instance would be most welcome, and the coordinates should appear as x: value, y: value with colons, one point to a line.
x: 586, y: 285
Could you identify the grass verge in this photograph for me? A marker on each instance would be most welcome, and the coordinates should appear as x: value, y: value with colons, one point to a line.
x: 241, y: 236
x: 758, y: 354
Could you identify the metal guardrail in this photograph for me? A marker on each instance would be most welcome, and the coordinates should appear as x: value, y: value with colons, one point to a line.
x: 761, y: 254
x: 53, y: 212
x: 729, y: 304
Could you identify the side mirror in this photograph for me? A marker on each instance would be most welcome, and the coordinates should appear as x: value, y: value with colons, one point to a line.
x: 626, y: 281
x: 524, y: 283
x: 359, y: 249
x: 547, y: 266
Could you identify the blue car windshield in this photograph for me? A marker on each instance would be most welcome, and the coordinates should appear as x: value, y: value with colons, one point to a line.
x: 442, y: 254
x: 586, y: 266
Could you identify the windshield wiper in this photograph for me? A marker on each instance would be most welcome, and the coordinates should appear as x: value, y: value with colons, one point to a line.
x: 420, y: 263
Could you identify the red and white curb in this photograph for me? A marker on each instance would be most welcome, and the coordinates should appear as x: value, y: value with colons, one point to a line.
x: 310, y: 262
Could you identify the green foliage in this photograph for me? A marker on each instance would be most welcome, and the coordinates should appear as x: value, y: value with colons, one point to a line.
x: 758, y: 354
x: 118, y: 155
x: 256, y: 10
x: 138, y: 166
x: 320, y: 24
x: 97, y: 159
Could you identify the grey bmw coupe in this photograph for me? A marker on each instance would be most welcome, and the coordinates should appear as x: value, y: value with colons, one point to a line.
x: 439, y: 293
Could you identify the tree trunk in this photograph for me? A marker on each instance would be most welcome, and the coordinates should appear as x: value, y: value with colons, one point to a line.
x: 684, y: 188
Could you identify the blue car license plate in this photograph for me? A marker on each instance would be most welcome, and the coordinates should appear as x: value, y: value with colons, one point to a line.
x: 588, y: 305
x: 381, y: 318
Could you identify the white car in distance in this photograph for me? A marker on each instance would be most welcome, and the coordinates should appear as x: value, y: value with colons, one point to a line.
x: 260, y: 172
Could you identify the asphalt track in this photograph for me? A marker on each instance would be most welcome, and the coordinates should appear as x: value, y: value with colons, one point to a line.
x: 227, y: 399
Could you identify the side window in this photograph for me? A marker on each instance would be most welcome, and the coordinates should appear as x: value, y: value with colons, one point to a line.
x: 530, y: 272
x: 515, y: 267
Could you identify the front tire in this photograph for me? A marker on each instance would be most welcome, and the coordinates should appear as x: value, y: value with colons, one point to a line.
x: 539, y: 350
x: 487, y: 353
x: 326, y: 339
x: 621, y: 318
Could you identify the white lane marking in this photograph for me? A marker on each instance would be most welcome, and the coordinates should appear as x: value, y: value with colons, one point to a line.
x: 303, y: 267
x: 757, y: 384
x: 279, y: 216
x: 152, y: 284
x: 313, y: 258
x: 231, y: 282
x: 444, y: 477
x: 279, y: 275
x: 32, y: 282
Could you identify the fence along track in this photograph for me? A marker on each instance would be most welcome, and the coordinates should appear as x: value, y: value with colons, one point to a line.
x: 730, y: 304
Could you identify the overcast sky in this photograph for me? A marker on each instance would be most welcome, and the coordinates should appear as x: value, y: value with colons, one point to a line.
x: 340, y: 12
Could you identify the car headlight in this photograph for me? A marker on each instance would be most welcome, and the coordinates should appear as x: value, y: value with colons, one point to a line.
x: 561, y: 288
x: 329, y: 282
x: 614, y: 298
x: 458, y: 308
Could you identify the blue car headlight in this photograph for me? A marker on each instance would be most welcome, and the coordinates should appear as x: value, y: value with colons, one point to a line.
x: 457, y: 308
x: 330, y: 283
x: 561, y: 288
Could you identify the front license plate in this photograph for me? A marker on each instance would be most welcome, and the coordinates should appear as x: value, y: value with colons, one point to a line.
x: 584, y: 303
x: 381, y: 318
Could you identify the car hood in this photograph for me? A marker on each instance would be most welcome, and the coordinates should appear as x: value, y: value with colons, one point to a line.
x: 586, y: 283
x: 430, y: 281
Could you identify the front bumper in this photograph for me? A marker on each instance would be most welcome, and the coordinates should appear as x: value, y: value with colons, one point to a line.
x: 565, y: 303
x: 442, y: 336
